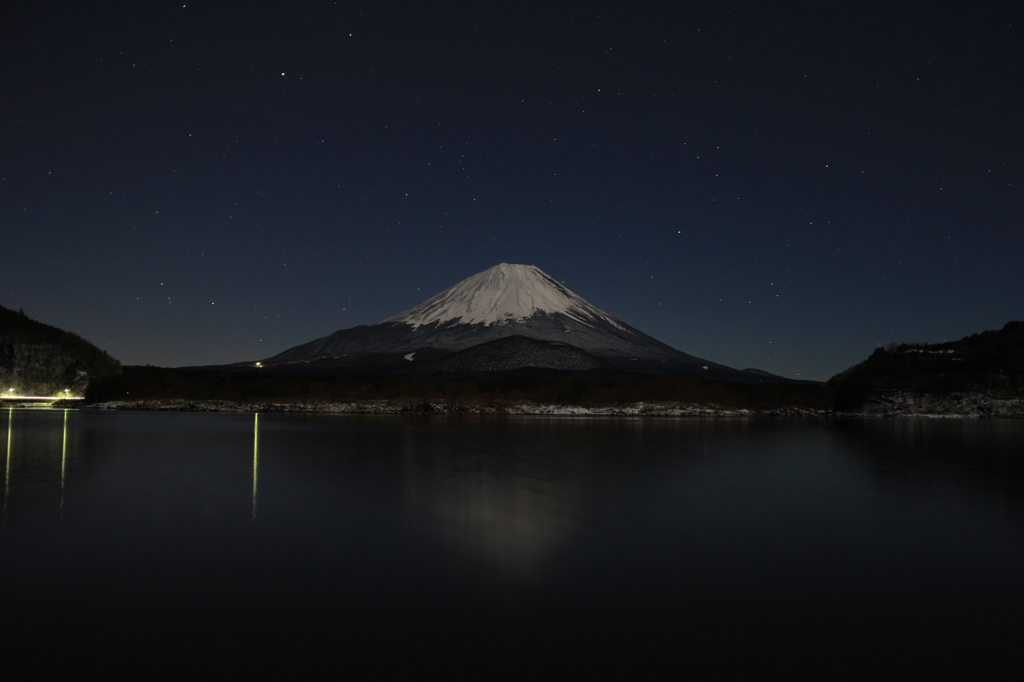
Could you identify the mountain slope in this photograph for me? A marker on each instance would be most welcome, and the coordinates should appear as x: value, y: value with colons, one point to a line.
x: 503, y: 301
x: 514, y: 353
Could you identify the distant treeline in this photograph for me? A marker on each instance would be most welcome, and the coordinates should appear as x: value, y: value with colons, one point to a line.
x: 990, y: 362
x: 155, y: 383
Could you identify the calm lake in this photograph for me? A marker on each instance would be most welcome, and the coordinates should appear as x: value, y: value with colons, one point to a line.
x: 225, y: 545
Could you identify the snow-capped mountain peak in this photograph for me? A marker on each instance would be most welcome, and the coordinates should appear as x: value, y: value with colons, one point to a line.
x: 500, y: 295
x: 495, y: 305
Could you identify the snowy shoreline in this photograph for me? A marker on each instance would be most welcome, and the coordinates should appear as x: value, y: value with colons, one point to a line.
x: 641, y: 409
x: 953, y: 405
x: 961, y: 407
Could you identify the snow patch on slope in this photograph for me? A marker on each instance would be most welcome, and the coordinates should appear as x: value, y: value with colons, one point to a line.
x: 501, y: 295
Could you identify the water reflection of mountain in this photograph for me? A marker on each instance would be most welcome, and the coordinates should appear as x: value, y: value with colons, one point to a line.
x: 526, y: 490
x: 519, y: 495
x: 978, y: 458
x: 513, y: 514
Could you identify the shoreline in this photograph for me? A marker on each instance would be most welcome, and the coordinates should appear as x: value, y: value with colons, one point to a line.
x: 638, y: 409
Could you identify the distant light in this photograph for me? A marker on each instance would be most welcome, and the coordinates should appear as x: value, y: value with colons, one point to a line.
x: 258, y: 364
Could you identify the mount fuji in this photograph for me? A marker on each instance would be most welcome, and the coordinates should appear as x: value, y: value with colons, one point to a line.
x: 508, y: 317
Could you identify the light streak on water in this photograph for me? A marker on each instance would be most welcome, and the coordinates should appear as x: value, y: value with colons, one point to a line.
x: 7, y: 468
x: 63, y: 463
x: 255, y: 461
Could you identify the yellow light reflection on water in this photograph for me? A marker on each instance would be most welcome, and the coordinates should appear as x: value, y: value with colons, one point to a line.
x: 255, y: 461
x: 63, y: 462
x: 7, y: 468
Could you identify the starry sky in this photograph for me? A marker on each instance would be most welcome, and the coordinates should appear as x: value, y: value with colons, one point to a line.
x: 775, y: 185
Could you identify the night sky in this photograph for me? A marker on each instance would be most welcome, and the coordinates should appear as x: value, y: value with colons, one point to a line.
x: 775, y: 185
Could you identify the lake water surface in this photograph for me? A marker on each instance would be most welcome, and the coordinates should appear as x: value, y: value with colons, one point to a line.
x: 229, y: 545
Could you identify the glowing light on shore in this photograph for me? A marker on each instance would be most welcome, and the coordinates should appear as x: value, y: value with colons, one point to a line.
x: 10, y: 396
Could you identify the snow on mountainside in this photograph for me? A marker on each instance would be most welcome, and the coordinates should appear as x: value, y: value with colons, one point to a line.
x: 499, y: 295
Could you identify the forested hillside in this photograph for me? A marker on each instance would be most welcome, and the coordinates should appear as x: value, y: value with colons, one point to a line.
x: 37, y: 359
x: 989, y: 363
